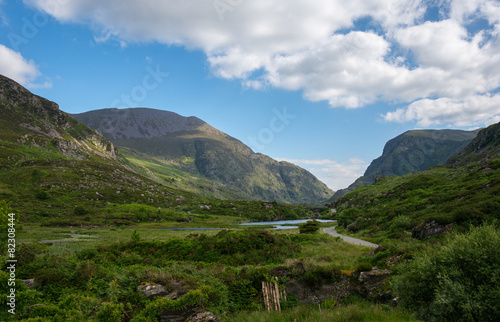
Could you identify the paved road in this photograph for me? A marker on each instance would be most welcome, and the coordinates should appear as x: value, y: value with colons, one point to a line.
x: 351, y: 240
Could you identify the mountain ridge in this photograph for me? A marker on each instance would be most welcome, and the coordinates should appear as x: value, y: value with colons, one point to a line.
x: 412, y: 151
x: 196, y: 147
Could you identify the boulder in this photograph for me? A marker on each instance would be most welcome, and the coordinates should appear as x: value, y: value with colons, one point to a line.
x: 30, y: 283
x: 373, y: 283
x: 430, y: 229
x: 203, y: 316
x: 151, y: 290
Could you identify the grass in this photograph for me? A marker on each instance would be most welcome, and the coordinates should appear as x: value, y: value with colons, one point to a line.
x: 363, y: 311
x: 316, y: 250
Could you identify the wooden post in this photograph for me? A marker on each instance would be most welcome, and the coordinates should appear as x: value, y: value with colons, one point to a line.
x: 278, y: 305
x: 266, y: 296
x: 272, y: 295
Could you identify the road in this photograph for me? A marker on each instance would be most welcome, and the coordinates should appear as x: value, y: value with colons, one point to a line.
x: 351, y: 240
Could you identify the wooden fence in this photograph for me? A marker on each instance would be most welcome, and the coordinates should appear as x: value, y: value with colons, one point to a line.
x: 272, y: 295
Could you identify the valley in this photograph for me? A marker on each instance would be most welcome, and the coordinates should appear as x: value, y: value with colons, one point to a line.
x: 96, y: 205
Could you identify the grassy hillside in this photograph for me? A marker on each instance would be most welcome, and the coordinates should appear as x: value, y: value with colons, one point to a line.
x: 413, y: 151
x: 464, y: 192
x: 55, y: 170
x: 190, y: 145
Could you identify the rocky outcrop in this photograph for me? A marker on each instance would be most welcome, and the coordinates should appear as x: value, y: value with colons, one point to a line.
x: 35, y: 121
x: 151, y: 290
x: 370, y: 284
x: 319, y: 293
x: 203, y: 316
x: 412, y: 151
x: 430, y: 229
x: 373, y: 282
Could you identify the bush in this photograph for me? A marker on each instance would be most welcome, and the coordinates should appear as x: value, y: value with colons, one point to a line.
x: 309, y: 227
x: 459, y: 281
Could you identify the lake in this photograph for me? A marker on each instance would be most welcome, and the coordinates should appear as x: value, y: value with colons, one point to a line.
x: 278, y: 224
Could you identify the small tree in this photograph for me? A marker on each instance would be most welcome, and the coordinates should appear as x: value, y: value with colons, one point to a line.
x: 309, y: 227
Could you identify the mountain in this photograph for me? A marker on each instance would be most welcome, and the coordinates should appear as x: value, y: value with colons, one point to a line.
x: 483, y: 148
x: 190, y: 145
x: 413, y: 151
x: 463, y: 192
x: 56, y: 171
x: 40, y: 127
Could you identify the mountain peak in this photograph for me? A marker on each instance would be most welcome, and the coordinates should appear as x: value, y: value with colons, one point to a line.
x: 17, y: 95
x: 137, y: 123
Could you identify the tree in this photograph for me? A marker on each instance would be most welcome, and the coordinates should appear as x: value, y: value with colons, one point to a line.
x: 460, y: 280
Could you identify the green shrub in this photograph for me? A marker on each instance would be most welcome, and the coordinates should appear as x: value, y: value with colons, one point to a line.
x: 460, y: 281
x: 309, y: 227
x: 80, y: 211
x: 110, y: 312
x: 402, y: 222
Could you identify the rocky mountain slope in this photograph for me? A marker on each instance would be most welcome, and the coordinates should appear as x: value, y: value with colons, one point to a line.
x: 413, y: 151
x: 463, y: 192
x: 188, y: 144
x: 56, y: 171
x: 32, y: 121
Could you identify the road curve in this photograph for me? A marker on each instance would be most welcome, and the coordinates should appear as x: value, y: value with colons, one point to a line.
x: 351, y: 240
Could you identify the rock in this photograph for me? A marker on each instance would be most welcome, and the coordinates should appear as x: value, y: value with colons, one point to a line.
x: 173, y: 296
x: 377, y: 250
x: 268, y: 205
x: 373, y: 282
x: 178, y: 315
x: 319, y: 293
x: 30, y: 283
x: 203, y: 316
x: 430, y: 229
x: 151, y: 290
x: 395, y: 301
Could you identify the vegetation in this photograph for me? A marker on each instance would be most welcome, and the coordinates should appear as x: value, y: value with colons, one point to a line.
x: 457, y: 281
x: 221, y: 271
x: 309, y: 227
x: 395, y: 206
x: 97, y: 234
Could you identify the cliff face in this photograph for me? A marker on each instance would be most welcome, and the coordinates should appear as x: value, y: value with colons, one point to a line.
x: 189, y: 144
x: 411, y: 152
x: 484, y: 147
x: 32, y: 120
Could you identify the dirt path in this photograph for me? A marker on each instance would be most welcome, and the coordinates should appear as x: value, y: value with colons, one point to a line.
x: 351, y: 240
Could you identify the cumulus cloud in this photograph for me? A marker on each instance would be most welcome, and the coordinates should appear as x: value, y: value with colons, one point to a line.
x: 336, y: 175
x: 348, y: 53
x: 16, y: 67
x: 478, y: 110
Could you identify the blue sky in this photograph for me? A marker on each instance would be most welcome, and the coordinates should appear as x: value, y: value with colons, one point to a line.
x: 324, y: 84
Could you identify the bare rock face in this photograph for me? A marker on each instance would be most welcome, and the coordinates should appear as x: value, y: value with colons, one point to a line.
x: 30, y: 283
x: 430, y: 229
x: 322, y: 292
x: 151, y: 290
x: 373, y: 282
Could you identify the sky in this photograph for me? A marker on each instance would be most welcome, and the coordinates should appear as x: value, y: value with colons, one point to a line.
x: 323, y: 84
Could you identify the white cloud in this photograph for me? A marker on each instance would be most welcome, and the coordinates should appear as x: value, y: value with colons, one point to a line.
x: 16, y: 67
x: 334, y: 174
x: 309, y: 46
x: 478, y: 110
